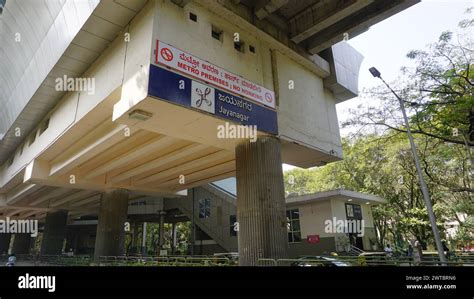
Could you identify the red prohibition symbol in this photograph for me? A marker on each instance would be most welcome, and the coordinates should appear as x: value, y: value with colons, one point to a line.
x: 268, y: 97
x: 166, y: 54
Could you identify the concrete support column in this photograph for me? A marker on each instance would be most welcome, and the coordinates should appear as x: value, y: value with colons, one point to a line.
x: 261, y: 210
x: 110, y: 236
x: 21, y: 244
x: 54, y: 233
x: 4, y: 243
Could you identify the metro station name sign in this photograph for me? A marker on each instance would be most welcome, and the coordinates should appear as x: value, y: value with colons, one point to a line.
x: 178, y: 89
x: 188, y: 64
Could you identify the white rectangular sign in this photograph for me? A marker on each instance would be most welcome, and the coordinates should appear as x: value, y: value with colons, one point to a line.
x: 191, y: 65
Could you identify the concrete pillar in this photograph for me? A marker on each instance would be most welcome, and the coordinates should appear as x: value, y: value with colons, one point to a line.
x: 55, y: 228
x: 261, y: 210
x: 110, y: 236
x: 4, y: 243
x: 21, y: 244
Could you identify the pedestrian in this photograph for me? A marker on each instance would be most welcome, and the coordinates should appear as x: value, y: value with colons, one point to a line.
x: 418, y: 253
x: 388, y: 250
x: 11, y: 260
x: 447, y: 253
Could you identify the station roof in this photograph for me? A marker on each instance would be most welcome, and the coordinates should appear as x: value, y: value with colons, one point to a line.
x: 346, y: 195
x: 230, y: 186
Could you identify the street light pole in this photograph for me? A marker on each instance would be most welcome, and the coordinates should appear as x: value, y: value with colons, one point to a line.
x: 424, y: 188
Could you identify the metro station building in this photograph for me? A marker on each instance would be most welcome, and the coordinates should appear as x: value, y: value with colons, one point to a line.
x: 105, y: 102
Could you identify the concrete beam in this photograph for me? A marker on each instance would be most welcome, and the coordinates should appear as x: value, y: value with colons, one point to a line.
x: 13, y: 212
x: 139, y: 151
x: 356, y: 23
x: 181, y: 3
x: 79, y: 195
x: 319, y: 22
x: 85, y: 201
x: 20, y: 192
x: 160, y: 161
x: 37, y: 172
x: 90, y: 146
x: 182, y: 168
x: 50, y: 195
x: 264, y: 8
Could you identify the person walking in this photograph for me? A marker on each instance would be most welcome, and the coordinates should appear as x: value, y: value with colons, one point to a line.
x: 11, y: 260
x: 388, y: 250
x: 417, y: 254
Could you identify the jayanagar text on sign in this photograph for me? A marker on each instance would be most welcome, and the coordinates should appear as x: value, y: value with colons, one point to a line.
x: 179, y: 60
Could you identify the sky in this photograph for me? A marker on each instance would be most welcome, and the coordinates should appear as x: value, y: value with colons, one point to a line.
x: 386, y: 44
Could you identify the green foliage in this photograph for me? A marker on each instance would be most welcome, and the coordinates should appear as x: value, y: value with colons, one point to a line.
x: 438, y: 92
x: 383, y: 166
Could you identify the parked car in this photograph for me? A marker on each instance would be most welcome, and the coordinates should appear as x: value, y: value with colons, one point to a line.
x: 321, y: 261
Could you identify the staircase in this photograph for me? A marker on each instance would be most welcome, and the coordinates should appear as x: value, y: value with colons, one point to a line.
x: 216, y: 226
x: 354, y: 251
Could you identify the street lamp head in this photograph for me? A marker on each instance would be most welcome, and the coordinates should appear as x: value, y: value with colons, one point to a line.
x: 375, y: 72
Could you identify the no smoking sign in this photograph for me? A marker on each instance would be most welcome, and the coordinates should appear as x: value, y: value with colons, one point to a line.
x: 166, y: 54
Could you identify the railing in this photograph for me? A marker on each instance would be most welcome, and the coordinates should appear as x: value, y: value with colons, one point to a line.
x: 50, y: 260
x: 187, y: 261
x: 356, y: 250
x: 464, y: 259
x: 335, y: 261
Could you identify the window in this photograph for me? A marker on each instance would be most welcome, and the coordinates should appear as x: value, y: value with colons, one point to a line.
x: 204, y: 208
x: 251, y: 48
x: 294, y: 230
x: 353, y: 211
x: 234, y: 225
x: 193, y: 17
x: 239, y: 46
x: 349, y: 211
x: 216, y: 33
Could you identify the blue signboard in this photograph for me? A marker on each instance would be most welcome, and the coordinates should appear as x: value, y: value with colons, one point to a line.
x: 187, y: 92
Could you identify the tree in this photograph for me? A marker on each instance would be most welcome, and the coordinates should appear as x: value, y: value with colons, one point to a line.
x: 383, y: 166
x: 438, y: 95
x: 438, y: 92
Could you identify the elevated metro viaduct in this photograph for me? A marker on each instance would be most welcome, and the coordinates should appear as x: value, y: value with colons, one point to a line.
x: 109, y: 100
